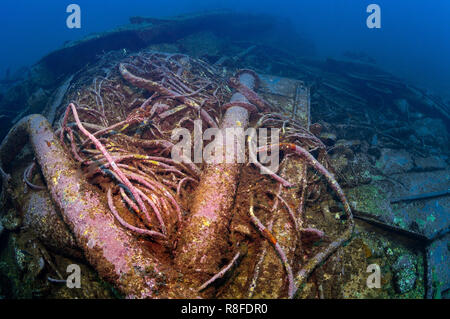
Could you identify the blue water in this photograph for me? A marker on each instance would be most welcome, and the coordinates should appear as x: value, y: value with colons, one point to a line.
x: 413, y: 42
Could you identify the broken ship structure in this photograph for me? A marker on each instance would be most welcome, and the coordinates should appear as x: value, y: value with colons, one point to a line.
x: 363, y: 177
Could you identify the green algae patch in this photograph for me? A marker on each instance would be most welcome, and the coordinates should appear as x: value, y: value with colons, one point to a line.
x: 369, y: 199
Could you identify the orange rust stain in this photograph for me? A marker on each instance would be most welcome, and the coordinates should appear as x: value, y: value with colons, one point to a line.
x: 270, y: 237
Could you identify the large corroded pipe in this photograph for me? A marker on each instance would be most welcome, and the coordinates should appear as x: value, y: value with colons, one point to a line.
x: 41, y: 218
x: 205, y: 235
x: 113, y: 252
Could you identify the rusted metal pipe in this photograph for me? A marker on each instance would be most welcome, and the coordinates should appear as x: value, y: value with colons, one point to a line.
x: 117, y: 256
x: 204, y: 237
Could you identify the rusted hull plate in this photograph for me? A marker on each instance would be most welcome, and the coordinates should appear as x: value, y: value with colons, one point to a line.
x: 287, y: 96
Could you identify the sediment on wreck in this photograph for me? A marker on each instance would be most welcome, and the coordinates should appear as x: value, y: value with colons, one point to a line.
x: 114, y: 253
x: 199, y: 243
x: 204, y: 237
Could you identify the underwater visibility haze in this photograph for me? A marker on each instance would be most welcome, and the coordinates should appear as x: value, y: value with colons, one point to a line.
x: 224, y: 149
